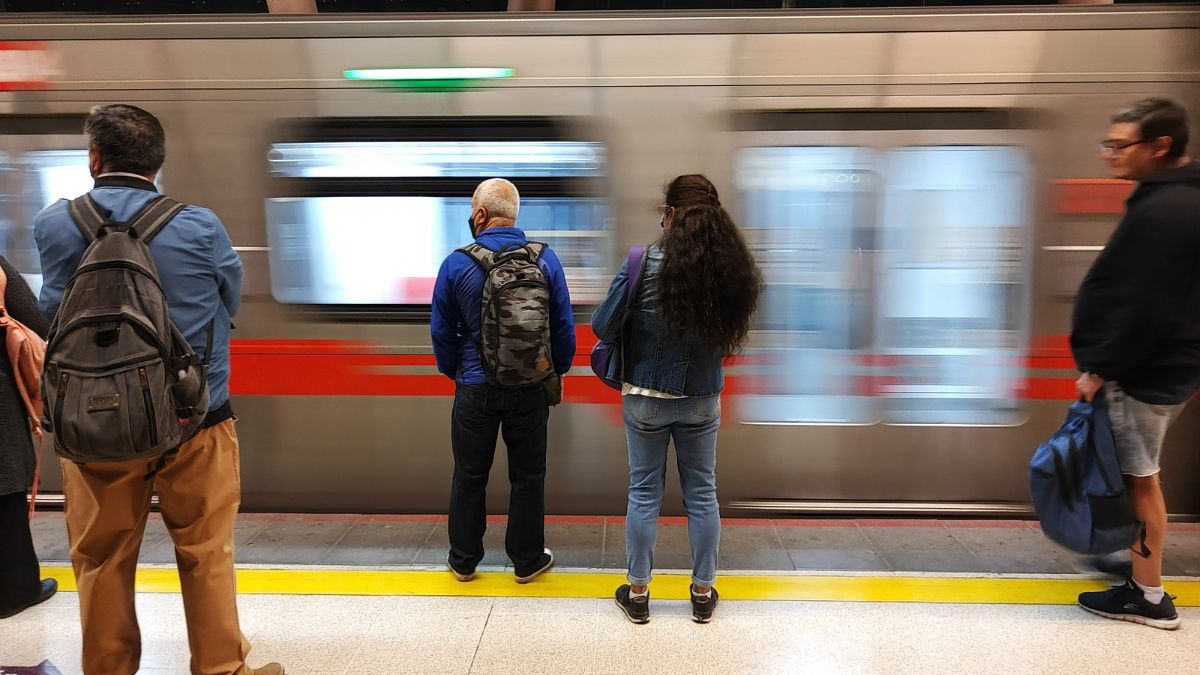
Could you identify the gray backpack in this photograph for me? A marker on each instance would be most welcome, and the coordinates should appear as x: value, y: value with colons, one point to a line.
x: 120, y: 382
x: 514, y: 322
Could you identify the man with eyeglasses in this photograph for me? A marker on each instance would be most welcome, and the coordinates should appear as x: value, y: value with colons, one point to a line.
x: 1136, y: 332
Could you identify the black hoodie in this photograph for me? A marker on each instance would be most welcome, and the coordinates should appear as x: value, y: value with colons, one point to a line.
x: 1137, y: 314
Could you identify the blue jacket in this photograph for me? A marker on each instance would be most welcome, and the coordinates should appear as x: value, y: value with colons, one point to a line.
x: 200, y: 272
x: 457, y: 295
x: 656, y: 356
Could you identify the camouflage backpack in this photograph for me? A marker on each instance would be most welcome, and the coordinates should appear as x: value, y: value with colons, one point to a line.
x: 514, y: 325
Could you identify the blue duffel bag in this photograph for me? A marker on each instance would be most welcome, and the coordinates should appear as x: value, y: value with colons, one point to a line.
x: 1077, y: 486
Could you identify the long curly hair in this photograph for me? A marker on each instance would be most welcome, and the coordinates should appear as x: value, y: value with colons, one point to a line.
x: 709, y: 282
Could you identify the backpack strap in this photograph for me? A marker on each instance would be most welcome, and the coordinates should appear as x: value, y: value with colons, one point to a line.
x: 637, y: 263
x: 635, y: 266
x: 535, y: 248
x: 86, y: 215
x: 482, y: 255
x: 154, y: 216
x: 486, y: 259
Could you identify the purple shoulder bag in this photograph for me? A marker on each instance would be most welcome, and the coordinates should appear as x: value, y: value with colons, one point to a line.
x: 606, y: 355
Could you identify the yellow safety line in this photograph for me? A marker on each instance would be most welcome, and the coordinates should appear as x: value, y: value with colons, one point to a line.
x: 970, y: 590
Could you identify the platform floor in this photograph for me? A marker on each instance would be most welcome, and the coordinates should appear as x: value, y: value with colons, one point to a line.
x: 367, y: 594
x: 346, y: 634
x: 866, y: 545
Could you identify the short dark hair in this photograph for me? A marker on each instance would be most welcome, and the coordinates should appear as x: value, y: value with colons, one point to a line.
x: 1158, y: 117
x: 128, y: 138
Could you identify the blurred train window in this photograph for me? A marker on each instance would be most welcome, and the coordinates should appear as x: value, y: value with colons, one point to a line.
x: 34, y: 180
x: 368, y: 222
x: 54, y: 175
x: 809, y: 214
x: 952, y: 313
x: 387, y: 250
x: 416, y: 159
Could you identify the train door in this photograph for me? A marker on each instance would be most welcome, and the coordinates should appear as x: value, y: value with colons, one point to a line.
x: 894, y: 256
x: 810, y: 214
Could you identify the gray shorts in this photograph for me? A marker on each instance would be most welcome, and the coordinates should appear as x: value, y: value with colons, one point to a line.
x: 1138, y: 429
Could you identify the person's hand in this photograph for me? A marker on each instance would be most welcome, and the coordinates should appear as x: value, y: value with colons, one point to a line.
x: 1087, y: 385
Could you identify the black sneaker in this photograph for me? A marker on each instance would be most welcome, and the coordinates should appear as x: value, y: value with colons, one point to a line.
x: 1127, y: 603
x: 46, y: 590
x: 703, y: 606
x: 544, y: 563
x: 461, y: 576
x: 636, y: 609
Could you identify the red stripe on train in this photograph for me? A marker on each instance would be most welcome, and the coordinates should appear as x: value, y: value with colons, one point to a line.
x: 1091, y: 196
x: 358, y: 368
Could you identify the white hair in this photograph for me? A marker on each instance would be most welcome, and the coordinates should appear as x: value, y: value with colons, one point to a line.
x: 499, y: 197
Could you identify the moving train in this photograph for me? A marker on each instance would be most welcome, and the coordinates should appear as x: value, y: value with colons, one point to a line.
x: 922, y: 189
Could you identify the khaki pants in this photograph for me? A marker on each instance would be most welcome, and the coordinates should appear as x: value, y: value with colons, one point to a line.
x: 199, y: 490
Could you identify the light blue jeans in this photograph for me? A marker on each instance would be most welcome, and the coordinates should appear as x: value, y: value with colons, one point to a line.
x: 650, y: 424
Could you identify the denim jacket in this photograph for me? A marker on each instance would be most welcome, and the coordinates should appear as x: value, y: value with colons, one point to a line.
x: 656, y: 356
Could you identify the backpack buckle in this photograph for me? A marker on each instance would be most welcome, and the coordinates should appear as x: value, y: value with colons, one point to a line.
x: 116, y: 227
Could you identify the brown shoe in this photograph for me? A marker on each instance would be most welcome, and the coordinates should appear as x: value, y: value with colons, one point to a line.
x: 269, y: 669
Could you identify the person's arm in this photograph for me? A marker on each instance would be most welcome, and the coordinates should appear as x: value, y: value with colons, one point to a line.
x: 562, y: 318
x: 445, y: 321
x: 228, y: 268
x: 608, y: 318
x: 1146, y: 279
x: 60, y: 247
x: 20, y: 302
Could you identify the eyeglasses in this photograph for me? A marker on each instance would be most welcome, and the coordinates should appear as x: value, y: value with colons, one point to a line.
x: 1113, y: 147
x: 663, y: 209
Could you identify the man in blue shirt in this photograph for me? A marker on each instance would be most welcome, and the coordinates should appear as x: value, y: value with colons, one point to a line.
x: 198, y: 486
x: 482, y: 409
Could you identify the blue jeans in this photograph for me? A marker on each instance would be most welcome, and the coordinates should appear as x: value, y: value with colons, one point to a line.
x: 650, y: 424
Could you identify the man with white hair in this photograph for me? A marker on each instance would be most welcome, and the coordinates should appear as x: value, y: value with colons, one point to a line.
x: 525, y: 333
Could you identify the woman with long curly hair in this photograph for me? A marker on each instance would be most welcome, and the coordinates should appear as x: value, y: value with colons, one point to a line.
x: 690, y: 308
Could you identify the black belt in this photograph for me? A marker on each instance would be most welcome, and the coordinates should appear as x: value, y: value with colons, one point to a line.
x: 215, y: 417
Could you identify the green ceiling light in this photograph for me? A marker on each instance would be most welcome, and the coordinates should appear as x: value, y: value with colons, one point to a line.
x: 428, y: 79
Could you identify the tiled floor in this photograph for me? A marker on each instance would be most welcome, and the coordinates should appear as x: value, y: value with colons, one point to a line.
x: 338, y: 634
x: 394, y: 634
x: 597, y: 542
